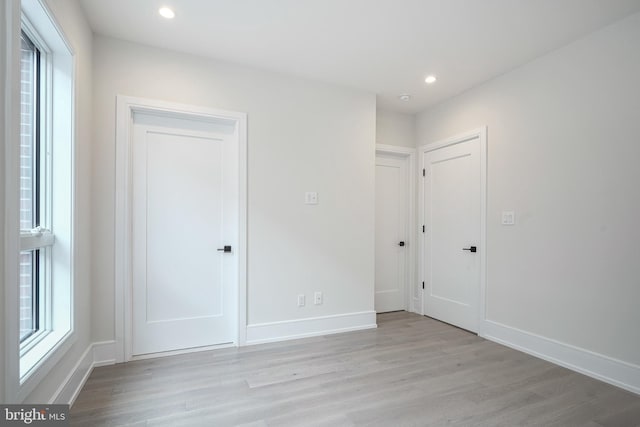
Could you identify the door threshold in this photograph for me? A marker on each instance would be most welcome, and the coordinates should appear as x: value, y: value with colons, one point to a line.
x: 182, y: 351
x: 451, y: 324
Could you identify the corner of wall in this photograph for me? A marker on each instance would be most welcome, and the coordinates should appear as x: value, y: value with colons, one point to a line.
x: 607, y: 369
x: 304, y: 328
x: 95, y: 355
x: 395, y: 128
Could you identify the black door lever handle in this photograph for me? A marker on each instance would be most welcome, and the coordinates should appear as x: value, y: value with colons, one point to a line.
x: 225, y: 249
x: 470, y: 249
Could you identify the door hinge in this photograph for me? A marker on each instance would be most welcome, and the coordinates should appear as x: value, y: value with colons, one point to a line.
x: 423, y: 229
x: 423, y: 172
x: 422, y: 285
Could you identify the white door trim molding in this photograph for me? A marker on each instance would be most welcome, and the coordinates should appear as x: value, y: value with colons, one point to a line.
x: 126, y: 107
x: 395, y: 149
x: 481, y: 135
x: 410, y: 302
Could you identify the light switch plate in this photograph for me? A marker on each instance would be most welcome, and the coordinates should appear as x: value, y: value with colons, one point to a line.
x: 310, y: 198
x: 508, y: 218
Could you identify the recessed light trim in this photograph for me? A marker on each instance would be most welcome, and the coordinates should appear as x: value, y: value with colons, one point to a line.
x: 430, y: 79
x: 166, y: 12
x: 404, y: 97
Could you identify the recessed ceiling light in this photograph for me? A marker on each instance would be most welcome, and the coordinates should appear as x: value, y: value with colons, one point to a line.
x: 404, y: 97
x: 166, y: 12
x: 430, y: 79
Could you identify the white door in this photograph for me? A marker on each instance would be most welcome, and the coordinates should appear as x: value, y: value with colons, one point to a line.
x: 184, y: 208
x: 452, y: 218
x: 392, y: 185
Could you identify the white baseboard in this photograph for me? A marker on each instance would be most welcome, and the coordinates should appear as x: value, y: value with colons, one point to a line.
x: 613, y: 371
x: 417, y: 305
x: 69, y: 389
x: 104, y: 353
x: 300, y: 328
x: 96, y: 354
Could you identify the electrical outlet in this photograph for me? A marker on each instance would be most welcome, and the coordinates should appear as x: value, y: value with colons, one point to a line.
x: 317, y: 298
x: 301, y: 300
x: 311, y: 198
x: 508, y: 218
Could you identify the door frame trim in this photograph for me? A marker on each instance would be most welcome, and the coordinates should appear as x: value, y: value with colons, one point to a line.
x: 410, y: 282
x: 126, y: 106
x: 480, y: 134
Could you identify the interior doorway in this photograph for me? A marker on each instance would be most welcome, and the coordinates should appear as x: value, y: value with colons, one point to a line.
x: 394, y: 240
x: 180, y: 228
x: 453, y: 210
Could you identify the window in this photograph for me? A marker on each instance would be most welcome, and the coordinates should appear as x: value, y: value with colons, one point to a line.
x: 36, y: 238
x: 33, y: 251
x: 42, y: 264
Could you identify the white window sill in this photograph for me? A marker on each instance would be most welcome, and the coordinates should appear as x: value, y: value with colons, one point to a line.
x: 42, y: 356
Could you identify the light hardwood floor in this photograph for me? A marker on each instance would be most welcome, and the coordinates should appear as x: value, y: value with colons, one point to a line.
x: 411, y: 371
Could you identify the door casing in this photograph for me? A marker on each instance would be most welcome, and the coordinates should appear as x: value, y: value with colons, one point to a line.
x: 126, y: 107
x: 481, y: 135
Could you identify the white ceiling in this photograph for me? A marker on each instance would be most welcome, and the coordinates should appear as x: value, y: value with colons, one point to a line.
x: 382, y: 46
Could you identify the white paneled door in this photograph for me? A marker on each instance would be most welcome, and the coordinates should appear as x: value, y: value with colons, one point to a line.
x: 391, y: 215
x: 452, y: 235
x: 184, y: 213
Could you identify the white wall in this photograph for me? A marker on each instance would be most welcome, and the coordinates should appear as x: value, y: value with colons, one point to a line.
x: 563, y: 153
x: 303, y: 136
x: 70, y: 17
x: 393, y: 128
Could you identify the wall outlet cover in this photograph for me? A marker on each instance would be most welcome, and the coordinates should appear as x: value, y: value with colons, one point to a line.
x: 508, y: 218
x: 311, y: 198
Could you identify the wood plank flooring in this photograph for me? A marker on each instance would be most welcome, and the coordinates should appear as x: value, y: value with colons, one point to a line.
x: 411, y: 371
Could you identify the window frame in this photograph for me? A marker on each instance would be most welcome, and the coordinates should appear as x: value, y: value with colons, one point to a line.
x: 38, y: 178
x: 25, y: 370
x: 39, y: 240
